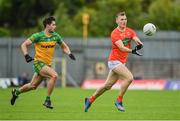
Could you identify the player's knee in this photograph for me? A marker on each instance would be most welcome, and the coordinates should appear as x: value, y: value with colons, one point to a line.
x: 33, y: 86
x: 55, y: 76
x: 130, y: 79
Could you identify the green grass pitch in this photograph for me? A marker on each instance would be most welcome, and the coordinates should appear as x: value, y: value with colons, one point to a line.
x: 69, y: 104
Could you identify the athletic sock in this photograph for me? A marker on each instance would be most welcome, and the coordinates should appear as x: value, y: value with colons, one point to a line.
x: 91, y: 99
x: 120, y: 98
x: 47, y: 98
x: 17, y: 92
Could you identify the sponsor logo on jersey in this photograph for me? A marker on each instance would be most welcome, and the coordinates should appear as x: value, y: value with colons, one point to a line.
x: 47, y: 46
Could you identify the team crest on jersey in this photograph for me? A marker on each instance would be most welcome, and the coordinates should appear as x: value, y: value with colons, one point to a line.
x: 128, y: 33
x: 126, y: 41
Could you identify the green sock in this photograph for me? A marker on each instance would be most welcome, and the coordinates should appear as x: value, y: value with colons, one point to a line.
x: 17, y: 92
x: 47, y: 97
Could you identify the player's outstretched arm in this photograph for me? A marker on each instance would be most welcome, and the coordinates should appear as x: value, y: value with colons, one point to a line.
x: 24, y: 48
x: 125, y: 49
x: 66, y: 50
x: 121, y: 46
x: 138, y: 42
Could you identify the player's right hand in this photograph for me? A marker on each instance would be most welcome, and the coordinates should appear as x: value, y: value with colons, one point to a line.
x: 134, y: 51
x: 28, y: 58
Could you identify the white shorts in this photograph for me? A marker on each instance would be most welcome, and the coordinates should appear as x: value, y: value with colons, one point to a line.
x: 114, y: 64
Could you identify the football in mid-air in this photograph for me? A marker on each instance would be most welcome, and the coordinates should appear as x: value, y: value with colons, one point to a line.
x: 149, y: 29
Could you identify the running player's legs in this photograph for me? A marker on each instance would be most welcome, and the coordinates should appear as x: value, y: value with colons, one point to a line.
x: 36, y: 80
x: 126, y: 75
x: 47, y: 71
x: 110, y: 81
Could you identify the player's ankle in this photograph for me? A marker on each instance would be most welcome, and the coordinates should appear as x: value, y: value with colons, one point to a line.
x: 119, y: 99
x: 48, y: 98
x: 17, y: 92
x: 92, y: 99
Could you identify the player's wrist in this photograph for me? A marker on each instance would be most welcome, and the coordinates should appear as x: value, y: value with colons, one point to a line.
x: 25, y: 55
x: 28, y: 58
x: 133, y: 51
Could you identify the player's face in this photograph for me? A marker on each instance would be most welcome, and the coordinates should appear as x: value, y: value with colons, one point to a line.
x: 121, y: 21
x: 51, y: 28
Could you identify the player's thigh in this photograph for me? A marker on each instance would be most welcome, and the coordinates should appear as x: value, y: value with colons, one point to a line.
x: 123, y: 72
x: 36, y: 79
x: 111, y: 78
x: 47, y: 71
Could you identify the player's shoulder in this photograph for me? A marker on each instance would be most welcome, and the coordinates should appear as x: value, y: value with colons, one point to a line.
x: 115, y: 31
x: 55, y: 34
x: 129, y: 29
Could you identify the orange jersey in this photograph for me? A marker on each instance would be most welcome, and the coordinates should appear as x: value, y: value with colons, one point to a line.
x: 45, y: 46
x: 125, y: 37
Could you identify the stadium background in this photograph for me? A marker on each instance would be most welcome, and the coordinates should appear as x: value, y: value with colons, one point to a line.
x: 160, y: 62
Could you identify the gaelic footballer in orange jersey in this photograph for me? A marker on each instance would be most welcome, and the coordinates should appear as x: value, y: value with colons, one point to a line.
x: 121, y: 38
x: 126, y: 37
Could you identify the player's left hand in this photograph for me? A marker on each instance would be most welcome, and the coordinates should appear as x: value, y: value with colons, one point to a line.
x: 72, y: 56
x: 138, y: 47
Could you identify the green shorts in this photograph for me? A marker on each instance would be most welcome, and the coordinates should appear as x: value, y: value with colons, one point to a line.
x: 38, y: 65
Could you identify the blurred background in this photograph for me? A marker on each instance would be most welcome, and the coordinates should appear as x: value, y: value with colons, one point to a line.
x: 85, y: 26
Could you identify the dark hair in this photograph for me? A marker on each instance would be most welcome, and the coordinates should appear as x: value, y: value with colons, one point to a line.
x: 48, y: 20
x: 121, y: 14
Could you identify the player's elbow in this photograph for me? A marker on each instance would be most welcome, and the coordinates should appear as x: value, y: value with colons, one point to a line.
x: 26, y: 43
x: 23, y: 45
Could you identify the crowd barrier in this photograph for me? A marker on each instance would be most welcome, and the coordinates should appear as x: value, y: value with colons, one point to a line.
x: 137, y: 84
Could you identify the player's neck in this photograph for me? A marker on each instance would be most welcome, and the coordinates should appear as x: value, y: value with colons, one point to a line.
x: 121, y: 29
x: 47, y: 33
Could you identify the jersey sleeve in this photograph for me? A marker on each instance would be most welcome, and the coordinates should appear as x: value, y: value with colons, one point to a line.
x: 59, y: 39
x: 115, y: 37
x: 133, y: 34
x: 34, y: 37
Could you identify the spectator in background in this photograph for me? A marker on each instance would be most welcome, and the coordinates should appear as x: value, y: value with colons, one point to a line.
x: 23, y: 79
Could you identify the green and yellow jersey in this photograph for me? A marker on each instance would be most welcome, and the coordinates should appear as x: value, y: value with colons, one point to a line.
x: 45, y: 46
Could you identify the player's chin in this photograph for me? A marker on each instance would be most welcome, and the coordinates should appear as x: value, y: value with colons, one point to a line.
x: 124, y: 25
x: 52, y: 31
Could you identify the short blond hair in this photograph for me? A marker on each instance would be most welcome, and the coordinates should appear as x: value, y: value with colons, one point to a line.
x: 123, y: 13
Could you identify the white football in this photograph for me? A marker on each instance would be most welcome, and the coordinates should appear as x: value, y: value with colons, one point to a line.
x: 149, y: 29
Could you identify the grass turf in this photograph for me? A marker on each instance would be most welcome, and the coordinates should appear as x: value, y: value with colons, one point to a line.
x: 69, y: 104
